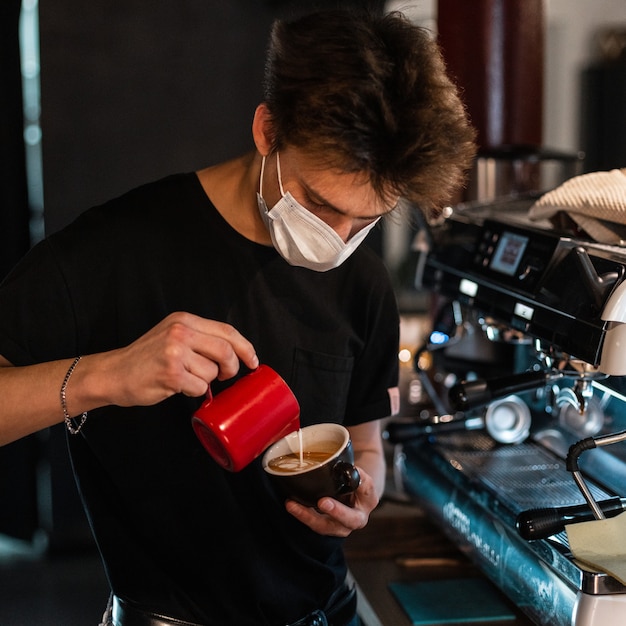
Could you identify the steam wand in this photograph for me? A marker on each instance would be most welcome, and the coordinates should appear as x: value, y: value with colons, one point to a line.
x: 543, y: 522
x: 571, y: 464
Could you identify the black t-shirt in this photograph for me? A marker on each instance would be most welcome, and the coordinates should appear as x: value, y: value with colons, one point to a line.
x: 177, y: 533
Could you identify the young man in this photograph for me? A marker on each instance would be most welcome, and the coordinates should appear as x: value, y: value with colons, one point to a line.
x: 195, y: 279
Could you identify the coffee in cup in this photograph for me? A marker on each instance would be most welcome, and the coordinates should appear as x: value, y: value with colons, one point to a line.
x: 312, y: 463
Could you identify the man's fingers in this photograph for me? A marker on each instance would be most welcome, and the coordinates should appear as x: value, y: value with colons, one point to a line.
x: 219, y: 342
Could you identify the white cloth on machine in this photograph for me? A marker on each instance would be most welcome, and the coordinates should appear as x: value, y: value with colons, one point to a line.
x: 596, y: 202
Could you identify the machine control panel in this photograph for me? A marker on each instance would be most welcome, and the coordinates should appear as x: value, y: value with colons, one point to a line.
x: 539, y: 281
x: 512, y: 255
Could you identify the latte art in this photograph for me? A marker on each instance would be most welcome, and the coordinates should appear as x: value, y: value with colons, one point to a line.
x: 298, y: 461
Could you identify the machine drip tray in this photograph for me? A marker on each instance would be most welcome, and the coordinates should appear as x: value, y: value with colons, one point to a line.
x: 475, y: 488
x: 522, y: 476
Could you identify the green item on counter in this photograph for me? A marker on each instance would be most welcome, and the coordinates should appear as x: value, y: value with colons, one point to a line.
x: 466, y: 600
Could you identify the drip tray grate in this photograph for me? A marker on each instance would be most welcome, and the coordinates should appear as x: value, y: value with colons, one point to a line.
x: 523, y: 476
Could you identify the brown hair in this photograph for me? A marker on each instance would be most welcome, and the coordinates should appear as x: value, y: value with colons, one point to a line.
x: 369, y: 93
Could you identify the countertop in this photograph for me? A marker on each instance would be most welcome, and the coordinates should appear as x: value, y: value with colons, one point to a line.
x: 400, y: 544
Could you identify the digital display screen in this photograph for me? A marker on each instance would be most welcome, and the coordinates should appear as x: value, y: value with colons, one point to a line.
x: 508, y: 253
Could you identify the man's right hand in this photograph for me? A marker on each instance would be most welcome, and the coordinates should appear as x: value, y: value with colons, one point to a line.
x: 181, y: 354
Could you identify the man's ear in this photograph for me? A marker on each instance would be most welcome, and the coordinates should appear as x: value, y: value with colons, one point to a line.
x: 263, y: 130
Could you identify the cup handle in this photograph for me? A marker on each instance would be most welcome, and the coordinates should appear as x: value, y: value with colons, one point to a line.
x: 346, y: 476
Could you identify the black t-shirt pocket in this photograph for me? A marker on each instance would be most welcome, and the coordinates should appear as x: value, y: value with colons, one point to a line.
x: 321, y: 383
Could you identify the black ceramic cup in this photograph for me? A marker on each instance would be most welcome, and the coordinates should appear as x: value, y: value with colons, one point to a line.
x: 325, y: 467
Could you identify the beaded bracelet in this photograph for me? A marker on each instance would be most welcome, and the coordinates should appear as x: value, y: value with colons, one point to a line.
x: 74, y: 430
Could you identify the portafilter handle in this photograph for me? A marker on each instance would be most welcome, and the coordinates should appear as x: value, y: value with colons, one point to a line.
x: 402, y: 431
x: 468, y: 395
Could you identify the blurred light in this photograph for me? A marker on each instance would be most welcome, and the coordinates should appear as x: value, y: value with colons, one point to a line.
x: 32, y: 134
x: 438, y: 338
x: 31, y: 92
x: 424, y: 361
x: 404, y: 355
x: 416, y: 392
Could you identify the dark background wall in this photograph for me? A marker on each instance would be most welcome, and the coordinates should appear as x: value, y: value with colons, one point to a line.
x: 132, y: 90
x: 14, y: 238
x: 18, y: 462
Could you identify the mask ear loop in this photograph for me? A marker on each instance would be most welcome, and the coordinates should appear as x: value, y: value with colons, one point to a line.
x: 280, y: 178
x: 261, y: 177
x: 280, y: 182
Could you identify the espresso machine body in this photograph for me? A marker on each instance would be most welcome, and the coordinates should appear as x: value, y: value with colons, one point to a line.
x: 519, y: 366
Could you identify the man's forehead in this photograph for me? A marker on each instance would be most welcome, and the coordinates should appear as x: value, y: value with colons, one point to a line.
x: 343, y: 192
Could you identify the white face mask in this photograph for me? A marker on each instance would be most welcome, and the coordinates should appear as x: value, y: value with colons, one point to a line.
x: 301, y: 238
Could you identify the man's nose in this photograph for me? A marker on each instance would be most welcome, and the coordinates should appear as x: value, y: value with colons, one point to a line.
x: 347, y: 227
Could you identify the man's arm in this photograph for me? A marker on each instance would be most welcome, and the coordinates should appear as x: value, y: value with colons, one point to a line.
x: 181, y: 354
x: 30, y: 398
x: 367, y: 443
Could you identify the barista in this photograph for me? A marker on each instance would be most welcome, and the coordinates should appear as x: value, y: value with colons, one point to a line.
x: 117, y: 325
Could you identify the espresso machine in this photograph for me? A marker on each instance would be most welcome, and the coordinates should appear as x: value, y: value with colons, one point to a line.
x: 525, y: 359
